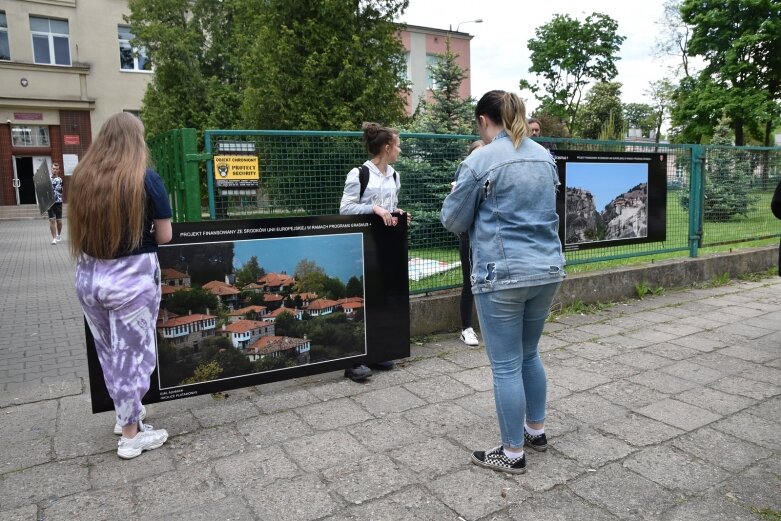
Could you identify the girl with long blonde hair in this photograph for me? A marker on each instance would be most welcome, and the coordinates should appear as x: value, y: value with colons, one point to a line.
x: 118, y: 213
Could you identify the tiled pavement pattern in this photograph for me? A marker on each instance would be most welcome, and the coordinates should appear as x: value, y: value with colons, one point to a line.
x: 667, y: 409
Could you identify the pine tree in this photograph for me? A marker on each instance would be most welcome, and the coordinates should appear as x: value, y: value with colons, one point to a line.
x: 727, y: 176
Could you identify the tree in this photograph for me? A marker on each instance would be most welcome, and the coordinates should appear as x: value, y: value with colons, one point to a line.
x: 551, y: 125
x: 642, y: 116
x: 447, y: 113
x: 250, y: 272
x: 661, y: 93
x: 354, y: 287
x: 204, y: 372
x: 276, y: 64
x: 196, y: 80
x: 324, y: 65
x: 602, y: 104
x: 196, y: 300
x: 727, y: 176
x: 673, y: 39
x: 310, y: 278
x: 568, y: 55
x: 740, y: 41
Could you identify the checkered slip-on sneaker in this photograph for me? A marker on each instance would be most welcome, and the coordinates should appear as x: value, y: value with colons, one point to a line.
x: 495, y: 459
x: 538, y: 443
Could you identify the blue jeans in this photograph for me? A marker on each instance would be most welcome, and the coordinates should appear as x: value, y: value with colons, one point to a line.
x: 511, y: 322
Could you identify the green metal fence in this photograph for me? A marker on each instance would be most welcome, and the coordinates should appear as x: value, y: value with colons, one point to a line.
x: 715, y: 195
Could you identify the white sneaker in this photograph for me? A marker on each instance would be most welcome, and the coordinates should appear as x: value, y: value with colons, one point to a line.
x: 58, y: 238
x: 469, y: 337
x: 129, y: 448
x: 54, y: 241
x: 118, y: 427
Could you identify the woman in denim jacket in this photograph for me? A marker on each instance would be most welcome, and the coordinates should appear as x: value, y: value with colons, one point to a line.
x: 505, y: 197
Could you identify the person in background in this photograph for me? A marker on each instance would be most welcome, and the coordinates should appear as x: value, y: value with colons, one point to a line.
x: 505, y: 196
x: 380, y: 196
x: 466, y: 302
x: 534, y: 127
x: 775, y: 207
x: 55, y: 212
x: 119, y: 212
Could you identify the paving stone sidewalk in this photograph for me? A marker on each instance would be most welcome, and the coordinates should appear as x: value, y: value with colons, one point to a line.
x: 667, y: 409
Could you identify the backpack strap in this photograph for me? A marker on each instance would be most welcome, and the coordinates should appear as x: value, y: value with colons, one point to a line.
x: 363, y: 179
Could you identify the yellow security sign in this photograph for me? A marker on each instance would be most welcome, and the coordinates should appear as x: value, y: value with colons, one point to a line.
x: 236, y: 170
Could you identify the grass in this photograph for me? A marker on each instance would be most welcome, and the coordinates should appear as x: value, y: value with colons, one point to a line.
x: 767, y: 513
x: 758, y: 223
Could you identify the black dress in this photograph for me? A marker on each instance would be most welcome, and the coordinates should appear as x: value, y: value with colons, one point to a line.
x: 775, y: 207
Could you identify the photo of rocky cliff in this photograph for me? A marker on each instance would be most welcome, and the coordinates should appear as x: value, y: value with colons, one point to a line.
x: 625, y: 216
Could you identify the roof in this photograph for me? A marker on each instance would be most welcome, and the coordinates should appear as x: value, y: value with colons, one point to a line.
x: 281, y: 310
x: 220, y: 288
x: 252, y: 285
x: 272, y: 344
x: 248, y: 309
x: 270, y: 297
x: 304, y: 296
x: 276, y: 279
x: 186, y: 319
x: 349, y: 300
x: 322, y: 304
x: 170, y: 273
x: 242, y: 326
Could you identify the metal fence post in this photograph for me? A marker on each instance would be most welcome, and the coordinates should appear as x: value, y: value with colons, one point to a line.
x: 696, y: 198
x: 191, y: 184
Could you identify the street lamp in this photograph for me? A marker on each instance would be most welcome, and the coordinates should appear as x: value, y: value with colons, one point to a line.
x: 478, y: 21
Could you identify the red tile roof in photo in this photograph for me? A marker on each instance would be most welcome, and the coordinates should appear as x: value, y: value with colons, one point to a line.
x: 186, y: 319
x: 248, y: 309
x: 220, y: 288
x: 242, y: 326
x: 252, y: 285
x: 281, y: 310
x: 170, y: 273
x: 323, y: 303
x: 272, y: 344
x: 270, y: 297
x: 276, y: 279
x: 350, y: 300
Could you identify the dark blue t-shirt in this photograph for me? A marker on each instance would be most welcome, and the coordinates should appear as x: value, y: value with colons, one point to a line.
x: 157, y: 207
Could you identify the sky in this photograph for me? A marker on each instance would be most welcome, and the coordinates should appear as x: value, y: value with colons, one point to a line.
x: 606, y: 180
x: 339, y: 255
x: 500, y: 58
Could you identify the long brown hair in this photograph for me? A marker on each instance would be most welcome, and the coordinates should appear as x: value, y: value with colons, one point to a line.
x: 107, y: 197
x: 506, y: 109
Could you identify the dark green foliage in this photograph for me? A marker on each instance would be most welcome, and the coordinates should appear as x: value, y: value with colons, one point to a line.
x: 740, y: 41
x: 204, y: 262
x: 447, y: 113
x: 249, y: 273
x: 270, y: 64
x: 727, y: 176
x: 196, y: 300
x: 602, y: 106
x: 324, y: 65
x: 567, y: 55
x: 354, y: 287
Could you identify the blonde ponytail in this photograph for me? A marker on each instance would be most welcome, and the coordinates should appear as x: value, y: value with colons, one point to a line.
x: 514, y: 118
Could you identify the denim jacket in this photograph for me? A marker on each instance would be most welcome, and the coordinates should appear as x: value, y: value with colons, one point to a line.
x: 506, y: 199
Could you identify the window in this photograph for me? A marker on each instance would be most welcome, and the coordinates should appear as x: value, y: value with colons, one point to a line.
x: 407, y: 67
x: 431, y: 60
x: 131, y: 59
x: 30, y: 136
x: 5, y: 50
x: 50, y: 40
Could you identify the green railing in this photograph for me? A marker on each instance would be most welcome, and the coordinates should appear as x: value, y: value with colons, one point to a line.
x: 715, y: 195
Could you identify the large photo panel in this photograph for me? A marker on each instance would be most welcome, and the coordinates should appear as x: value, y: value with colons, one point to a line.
x: 256, y: 301
x: 611, y: 198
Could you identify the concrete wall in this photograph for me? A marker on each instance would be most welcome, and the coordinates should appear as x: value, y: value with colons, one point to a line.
x: 439, y: 312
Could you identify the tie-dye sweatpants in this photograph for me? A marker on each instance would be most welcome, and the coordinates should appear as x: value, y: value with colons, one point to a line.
x: 121, y: 300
